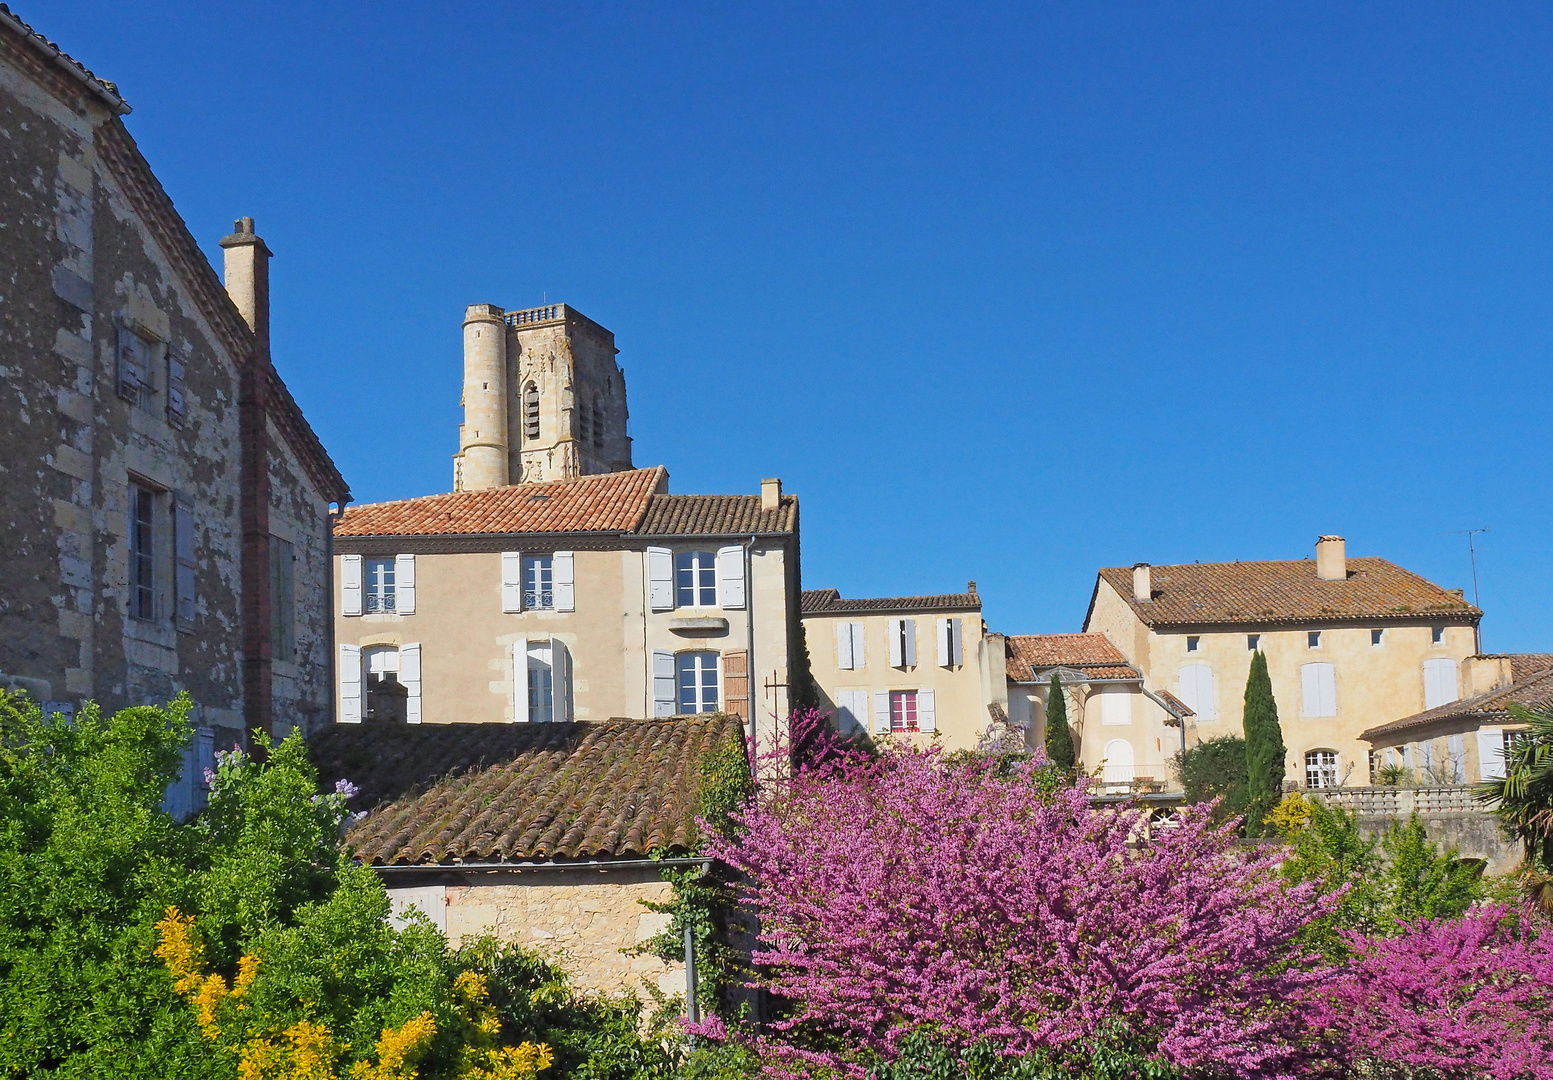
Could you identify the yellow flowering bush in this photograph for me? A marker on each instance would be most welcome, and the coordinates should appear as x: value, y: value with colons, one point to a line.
x: 1289, y: 816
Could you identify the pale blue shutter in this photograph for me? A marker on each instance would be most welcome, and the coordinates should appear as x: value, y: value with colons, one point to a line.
x: 910, y: 646
x: 404, y: 584
x: 520, y: 681
x: 663, y: 697
x: 563, y: 572
x: 881, y: 712
x: 660, y: 579
x: 844, y: 646
x: 927, y: 711
x: 350, y: 683
x: 410, y: 676
x: 350, y: 584
x: 512, y: 581
x: 730, y: 578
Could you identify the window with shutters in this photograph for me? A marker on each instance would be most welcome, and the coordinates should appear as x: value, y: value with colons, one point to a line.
x: 387, y: 696
x: 851, y: 646
x: 142, y: 552
x: 1439, y: 682
x: 538, y: 583
x: 903, y: 710
x: 1321, y: 769
x: 1115, y: 705
x: 283, y: 600
x: 736, y: 683
x: 541, y: 683
x: 1318, y: 687
x: 696, y: 678
x: 379, y: 586
x: 902, y: 635
x: 136, y: 353
x: 531, y: 411
x: 695, y: 579
x: 1197, y: 692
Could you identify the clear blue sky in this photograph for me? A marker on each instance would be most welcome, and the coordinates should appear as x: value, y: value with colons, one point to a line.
x: 1003, y: 292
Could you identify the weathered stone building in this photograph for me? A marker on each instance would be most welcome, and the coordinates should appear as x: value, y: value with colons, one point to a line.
x: 544, y: 398
x: 167, y: 506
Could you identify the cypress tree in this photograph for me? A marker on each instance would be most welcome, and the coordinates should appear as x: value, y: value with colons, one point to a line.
x: 1059, y: 739
x: 1264, y: 746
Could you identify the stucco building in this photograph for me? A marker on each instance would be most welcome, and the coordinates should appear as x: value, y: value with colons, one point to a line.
x: 1350, y: 644
x: 1124, y: 732
x: 603, y: 596
x: 167, y: 505
x: 544, y: 834
x: 1465, y: 741
x: 544, y: 398
x: 910, y: 667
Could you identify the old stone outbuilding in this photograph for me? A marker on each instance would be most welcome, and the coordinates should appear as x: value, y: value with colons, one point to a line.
x: 167, y: 504
x: 543, y: 834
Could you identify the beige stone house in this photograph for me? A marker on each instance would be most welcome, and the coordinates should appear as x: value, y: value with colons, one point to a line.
x: 1464, y: 742
x: 167, y: 504
x: 603, y: 596
x: 1350, y: 643
x: 910, y: 667
x: 544, y: 834
x: 1124, y: 732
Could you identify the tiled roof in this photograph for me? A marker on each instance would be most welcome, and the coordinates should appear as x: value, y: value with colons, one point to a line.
x: 612, y: 502
x: 1093, y: 654
x: 830, y: 602
x: 446, y: 793
x: 1285, y: 591
x: 1177, y: 706
x: 1525, y: 665
x: 717, y: 515
x: 104, y: 89
x: 1492, y: 706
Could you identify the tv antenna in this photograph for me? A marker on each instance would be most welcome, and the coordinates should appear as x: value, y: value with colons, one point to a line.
x: 1473, y: 554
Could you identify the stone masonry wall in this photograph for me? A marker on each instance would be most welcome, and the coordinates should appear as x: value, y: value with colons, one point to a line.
x: 302, y: 683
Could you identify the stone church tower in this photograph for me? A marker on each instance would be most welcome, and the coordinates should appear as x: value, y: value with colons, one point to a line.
x: 544, y: 398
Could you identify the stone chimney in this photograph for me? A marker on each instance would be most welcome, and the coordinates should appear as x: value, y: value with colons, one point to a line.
x: 770, y: 493
x: 248, y: 280
x: 1331, y: 558
x: 970, y: 587
x: 1142, y: 583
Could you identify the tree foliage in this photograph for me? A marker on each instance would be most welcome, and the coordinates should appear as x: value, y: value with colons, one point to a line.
x: 981, y: 900
x: 1264, y: 746
x: 1215, y: 769
x: 1059, y: 736
x: 1523, y: 799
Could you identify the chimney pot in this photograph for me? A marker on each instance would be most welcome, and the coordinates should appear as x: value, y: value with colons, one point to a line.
x: 1331, y: 558
x: 1142, y: 583
x: 247, y: 279
x: 970, y: 587
x: 770, y: 493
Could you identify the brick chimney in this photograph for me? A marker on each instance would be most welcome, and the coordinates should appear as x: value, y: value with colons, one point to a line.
x: 1142, y: 583
x: 1331, y: 558
x: 770, y: 493
x: 248, y: 280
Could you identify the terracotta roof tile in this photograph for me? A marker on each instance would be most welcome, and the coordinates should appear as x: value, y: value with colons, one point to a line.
x: 1177, y: 706
x: 445, y: 793
x: 1285, y: 591
x: 717, y: 515
x: 1525, y: 665
x: 831, y: 602
x: 611, y: 502
x: 1093, y: 654
x: 1492, y: 706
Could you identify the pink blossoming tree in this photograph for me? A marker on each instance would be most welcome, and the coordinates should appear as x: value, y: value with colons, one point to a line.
x: 986, y: 901
x: 1459, y: 998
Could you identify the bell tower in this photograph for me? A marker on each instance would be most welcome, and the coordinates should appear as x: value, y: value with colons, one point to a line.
x: 544, y: 398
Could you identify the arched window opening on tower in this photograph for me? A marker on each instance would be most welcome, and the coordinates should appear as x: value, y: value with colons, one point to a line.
x: 531, y: 411
x: 598, y: 423
x: 584, y: 423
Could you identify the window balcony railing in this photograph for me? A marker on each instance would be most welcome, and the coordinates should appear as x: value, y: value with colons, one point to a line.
x: 378, y: 603
x: 543, y: 600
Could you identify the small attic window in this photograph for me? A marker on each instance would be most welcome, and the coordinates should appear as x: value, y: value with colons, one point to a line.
x: 539, y: 498
x: 1193, y: 642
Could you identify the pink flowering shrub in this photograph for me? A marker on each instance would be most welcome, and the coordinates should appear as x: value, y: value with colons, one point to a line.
x: 1458, y: 998
x: 984, y: 900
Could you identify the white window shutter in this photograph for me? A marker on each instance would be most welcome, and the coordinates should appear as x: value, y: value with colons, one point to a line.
x: 404, y: 584
x: 1490, y: 754
x: 350, y: 684
x: 183, y: 544
x: 1458, y: 751
x: 350, y: 584
x: 942, y: 626
x: 660, y: 580
x: 512, y: 581
x: 844, y: 646
x: 911, y: 641
x: 846, y: 710
x: 563, y: 571
x: 896, y: 659
x: 1439, y: 682
x: 520, y: 681
x: 956, y: 643
x: 881, y: 710
x: 410, y: 677
x: 663, y: 696
x: 859, y: 651
x: 561, y: 678
x: 1328, y: 690
x: 730, y: 578
x: 927, y: 711
x: 1310, y: 691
